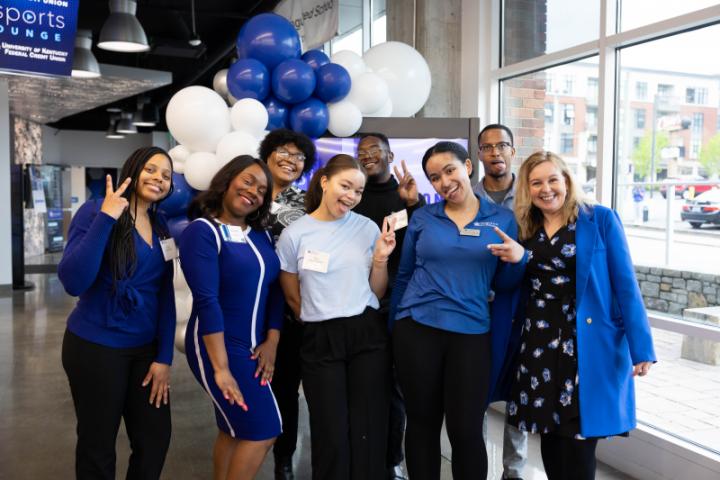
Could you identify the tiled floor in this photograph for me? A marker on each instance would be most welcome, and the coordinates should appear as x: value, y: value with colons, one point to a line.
x: 37, y: 420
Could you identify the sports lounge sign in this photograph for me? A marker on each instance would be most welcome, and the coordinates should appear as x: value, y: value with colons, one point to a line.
x: 38, y: 36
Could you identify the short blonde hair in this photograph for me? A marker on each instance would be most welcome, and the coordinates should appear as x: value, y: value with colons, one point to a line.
x: 529, y: 217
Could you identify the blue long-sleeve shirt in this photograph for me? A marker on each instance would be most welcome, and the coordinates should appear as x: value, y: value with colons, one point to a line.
x: 445, y: 278
x: 235, y: 291
x: 142, y: 307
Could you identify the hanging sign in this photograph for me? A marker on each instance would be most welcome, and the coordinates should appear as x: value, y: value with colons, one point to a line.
x: 38, y: 36
x: 316, y: 21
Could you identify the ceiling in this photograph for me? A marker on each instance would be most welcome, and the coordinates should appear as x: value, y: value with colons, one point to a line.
x: 167, y: 24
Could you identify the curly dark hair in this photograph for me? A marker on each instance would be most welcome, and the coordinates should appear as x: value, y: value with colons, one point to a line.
x: 282, y: 136
x: 121, y: 251
x: 209, y: 204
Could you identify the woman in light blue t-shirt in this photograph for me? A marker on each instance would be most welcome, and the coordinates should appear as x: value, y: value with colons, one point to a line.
x: 334, y: 269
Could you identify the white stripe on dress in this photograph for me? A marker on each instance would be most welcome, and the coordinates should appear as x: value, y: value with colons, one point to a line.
x: 258, y: 292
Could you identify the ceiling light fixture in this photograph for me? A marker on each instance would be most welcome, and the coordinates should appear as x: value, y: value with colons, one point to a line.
x: 85, y: 65
x: 122, y: 31
x: 147, y: 114
x: 111, y: 131
x: 125, y: 124
x: 195, y: 39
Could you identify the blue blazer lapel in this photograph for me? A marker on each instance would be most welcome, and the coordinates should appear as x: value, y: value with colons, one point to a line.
x: 585, y: 237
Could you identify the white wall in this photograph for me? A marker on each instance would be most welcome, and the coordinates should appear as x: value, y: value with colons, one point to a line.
x: 89, y: 148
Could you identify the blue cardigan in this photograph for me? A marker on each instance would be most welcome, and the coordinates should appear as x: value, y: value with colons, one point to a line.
x: 141, y: 310
x: 613, y: 332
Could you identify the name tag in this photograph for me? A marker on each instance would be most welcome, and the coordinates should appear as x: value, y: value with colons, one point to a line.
x: 470, y: 232
x: 316, y: 261
x: 233, y: 233
x: 401, y: 219
x: 275, y: 207
x: 169, y: 249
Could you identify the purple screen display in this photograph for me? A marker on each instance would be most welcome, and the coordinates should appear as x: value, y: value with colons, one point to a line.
x: 409, y: 149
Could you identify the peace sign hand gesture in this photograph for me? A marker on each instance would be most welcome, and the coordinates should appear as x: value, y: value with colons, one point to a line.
x: 114, y: 203
x: 385, y: 243
x: 509, y: 251
x: 407, y: 187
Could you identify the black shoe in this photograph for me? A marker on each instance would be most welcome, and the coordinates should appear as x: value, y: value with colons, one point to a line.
x: 397, y: 473
x: 283, y: 468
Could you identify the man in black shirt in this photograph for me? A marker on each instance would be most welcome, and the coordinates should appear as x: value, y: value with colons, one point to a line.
x: 385, y: 195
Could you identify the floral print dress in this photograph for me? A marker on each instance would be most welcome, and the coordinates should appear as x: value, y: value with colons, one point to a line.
x: 544, y: 396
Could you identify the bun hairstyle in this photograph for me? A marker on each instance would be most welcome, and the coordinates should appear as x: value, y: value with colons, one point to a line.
x: 335, y: 165
x: 209, y: 204
x: 445, y: 147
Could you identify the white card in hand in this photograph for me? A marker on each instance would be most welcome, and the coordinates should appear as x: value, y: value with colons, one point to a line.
x: 169, y: 249
x: 401, y: 219
x: 316, y: 261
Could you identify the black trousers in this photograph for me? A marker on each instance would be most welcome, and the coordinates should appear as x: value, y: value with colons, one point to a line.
x: 106, y: 385
x: 566, y: 458
x: 346, y: 378
x: 285, y: 384
x: 396, y: 423
x: 443, y: 374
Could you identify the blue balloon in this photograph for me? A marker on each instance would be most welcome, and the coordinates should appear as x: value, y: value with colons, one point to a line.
x: 176, y: 225
x: 269, y: 38
x: 182, y: 194
x: 248, y: 78
x: 315, y: 58
x: 277, y: 113
x: 310, y: 117
x: 293, y: 81
x: 333, y: 82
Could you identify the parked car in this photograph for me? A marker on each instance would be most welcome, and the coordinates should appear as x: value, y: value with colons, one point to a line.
x: 705, y: 208
x: 683, y: 190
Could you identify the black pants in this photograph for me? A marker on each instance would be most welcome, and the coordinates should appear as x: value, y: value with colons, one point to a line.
x: 106, y: 385
x: 396, y: 424
x: 446, y: 374
x: 285, y: 384
x: 566, y: 458
x: 346, y: 379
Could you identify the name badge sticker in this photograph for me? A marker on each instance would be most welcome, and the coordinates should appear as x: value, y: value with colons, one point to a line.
x: 401, y: 219
x: 316, y: 261
x: 233, y: 233
x: 470, y: 232
x: 169, y: 249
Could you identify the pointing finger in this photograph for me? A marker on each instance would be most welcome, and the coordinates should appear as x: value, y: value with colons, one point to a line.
x: 502, y: 234
x: 108, y: 185
x: 121, y: 189
x: 404, y: 167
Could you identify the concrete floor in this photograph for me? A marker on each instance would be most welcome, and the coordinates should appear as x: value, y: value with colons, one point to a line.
x: 37, y: 426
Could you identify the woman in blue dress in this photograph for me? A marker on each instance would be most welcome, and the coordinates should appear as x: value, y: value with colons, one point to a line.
x: 118, y: 346
x: 229, y: 262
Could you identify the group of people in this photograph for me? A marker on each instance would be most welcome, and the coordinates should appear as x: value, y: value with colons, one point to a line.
x: 393, y: 315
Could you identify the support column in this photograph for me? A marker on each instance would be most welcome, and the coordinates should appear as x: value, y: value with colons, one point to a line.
x: 6, y: 257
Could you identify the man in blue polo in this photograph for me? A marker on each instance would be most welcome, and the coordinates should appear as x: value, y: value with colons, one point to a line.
x: 496, y: 151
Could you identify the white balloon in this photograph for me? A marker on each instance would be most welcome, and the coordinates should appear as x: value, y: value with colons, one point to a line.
x: 384, y: 111
x: 369, y: 92
x: 234, y: 144
x: 180, y: 329
x: 180, y: 285
x: 220, y: 82
x: 179, y: 154
x: 230, y: 99
x: 200, y: 168
x: 183, y: 310
x: 407, y: 75
x: 198, y: 118
x: 352, y: 62
x: 345, y: 118
x: 179, y: 167
x: 249, y: 115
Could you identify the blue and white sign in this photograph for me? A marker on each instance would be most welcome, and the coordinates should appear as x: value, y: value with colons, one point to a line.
x: 38, y: 35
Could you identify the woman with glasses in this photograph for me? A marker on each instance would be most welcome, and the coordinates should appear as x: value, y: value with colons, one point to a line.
x: 288, y: 155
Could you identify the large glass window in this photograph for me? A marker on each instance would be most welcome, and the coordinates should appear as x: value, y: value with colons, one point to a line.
x: 636, y: 13
x: 350, y: 28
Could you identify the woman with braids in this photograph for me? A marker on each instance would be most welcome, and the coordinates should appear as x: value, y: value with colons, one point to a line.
x: 230, y: 264
x: 118, y: 344
x: 334, y: 269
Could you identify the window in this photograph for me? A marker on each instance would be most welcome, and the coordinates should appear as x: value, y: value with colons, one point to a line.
x: 549, y: 113
x: 696, y: 95
x: 665, y: 90
x: 378, y: 31
x: 568, y: 85
x: 636, y: 142
x: 567, y: 143
x: 591, y: 120
x: 568, y: 113
x: 689, y: 95
x: 640, y: 118
x: 592, y: 144
x: 641, y: 90
x: 697, y: 123
x: 636, y: 13
x: 592, y: 93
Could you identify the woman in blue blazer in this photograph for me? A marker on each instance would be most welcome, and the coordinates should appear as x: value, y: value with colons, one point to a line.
x: 585, y: 332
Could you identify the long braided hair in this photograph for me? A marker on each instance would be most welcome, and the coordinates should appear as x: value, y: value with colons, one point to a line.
x: 121, y: 252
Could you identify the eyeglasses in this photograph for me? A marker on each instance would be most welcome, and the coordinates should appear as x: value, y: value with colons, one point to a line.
x: 372, y: 152
x: 285, y: 155
x: 489, y: 147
